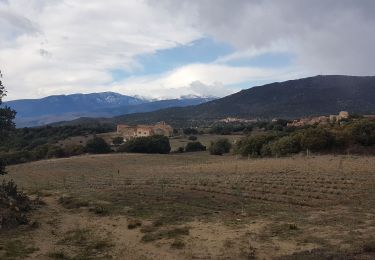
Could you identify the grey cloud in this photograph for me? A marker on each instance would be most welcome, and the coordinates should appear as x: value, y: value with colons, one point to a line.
x: 327, y: 36
x: 13, y: 25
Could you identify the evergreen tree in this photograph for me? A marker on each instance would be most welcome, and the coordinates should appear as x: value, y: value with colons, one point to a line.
x: 7, y: 116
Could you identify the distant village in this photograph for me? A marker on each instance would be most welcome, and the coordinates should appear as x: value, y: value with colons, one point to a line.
x: 129, y: 132
x: 320, y: 120
x: 341, y: 118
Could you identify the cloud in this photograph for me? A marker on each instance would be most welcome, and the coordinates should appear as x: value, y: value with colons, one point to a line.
x: 200, y: 79
x: 65, y: 46
x: 326, y: 36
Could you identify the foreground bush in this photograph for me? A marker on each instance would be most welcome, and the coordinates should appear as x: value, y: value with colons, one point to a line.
x: 195, y: 147
x: 13, y: 206
x: 363, y: 132
x: 152, y: 144
x: 220, y: 147
x: 316, y: 139
x: 97, y: 145
x: 2, y: 167
x: 284, y: 146
x: 253, y: 145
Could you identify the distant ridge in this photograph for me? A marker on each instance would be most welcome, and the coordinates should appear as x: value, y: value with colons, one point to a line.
x: 36, y: 112
x: 319, y: 95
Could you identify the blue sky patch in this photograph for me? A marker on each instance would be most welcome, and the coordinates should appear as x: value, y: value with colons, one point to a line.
x: 267, y: 60
x: 204, y: 50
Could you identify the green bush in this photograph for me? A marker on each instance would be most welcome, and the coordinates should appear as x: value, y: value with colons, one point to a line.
x: 97, y: 145
x: 190, y: 131
x: 152, y: 144
x: 55, y: 152
x: 252, y: 145
x: 363, y: 132
x: 315, y: 139
x: 220, y: 146
x: 285, y: 145
x: 222, y: 129
x: 195, y: 147
x: 16, y: 157
x: 2, y: 167
x: 118, y: 140
x: 40, y: 152
x: 73, y: 150
x: 14, y: 205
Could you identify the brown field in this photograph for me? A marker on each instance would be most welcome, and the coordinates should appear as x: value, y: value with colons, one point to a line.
x: 196, y: 206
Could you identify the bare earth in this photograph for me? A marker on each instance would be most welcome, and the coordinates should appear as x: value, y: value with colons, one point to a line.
x: 194, y: 206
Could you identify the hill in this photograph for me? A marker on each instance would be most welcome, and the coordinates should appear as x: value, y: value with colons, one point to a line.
x: 319, y: 95
x: 36, y: 112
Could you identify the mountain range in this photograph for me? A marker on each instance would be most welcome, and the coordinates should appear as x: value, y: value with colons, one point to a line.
x: 36, y: 112
x: 318, y: 95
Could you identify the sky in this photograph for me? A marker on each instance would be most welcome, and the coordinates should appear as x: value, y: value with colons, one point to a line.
x: 168, y: 48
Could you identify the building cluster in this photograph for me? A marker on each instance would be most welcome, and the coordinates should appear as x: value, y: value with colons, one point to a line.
x: 129, y: 132
x: 237, y: 120
x: 320, y: 120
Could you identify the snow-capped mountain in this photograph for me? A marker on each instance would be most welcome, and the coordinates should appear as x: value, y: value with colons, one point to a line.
x: 34, y: 112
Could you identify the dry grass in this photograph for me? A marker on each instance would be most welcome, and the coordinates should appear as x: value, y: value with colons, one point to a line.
x: 281, y: 205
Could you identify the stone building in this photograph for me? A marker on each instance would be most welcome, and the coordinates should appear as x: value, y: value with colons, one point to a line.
x: 319, y: 120
x: 128, y: 132
x: 343, y: 115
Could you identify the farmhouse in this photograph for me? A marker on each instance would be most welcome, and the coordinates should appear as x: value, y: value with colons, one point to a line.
x: 128, y: 132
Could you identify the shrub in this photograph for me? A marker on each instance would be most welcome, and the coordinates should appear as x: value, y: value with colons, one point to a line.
x: 252, y: 145
x: 55, y: 152
x: 180, y: 149
x: 192, y: 138
x: 2, y: 167
x: 16, y: 157
x: 72, y: 150
x: 220, y: 146
x: 341, y: 139
x: 266, y: 150
x: 178, y: 244
x: 315, y: 139
x: 363, y: 132
x: 195, y: 147
x: 190, y: 131
x: 118, y: 140
x: 152, y: 144
x: 97, y: 145
x: 13, y: 205
x: 40, y: 152
x: 134, y: 223
x: 285, y: 145
x: 222, y: 129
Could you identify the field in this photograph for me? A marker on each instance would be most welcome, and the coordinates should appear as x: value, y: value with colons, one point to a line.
x: 196, y: 206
